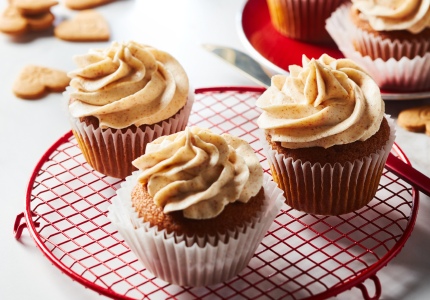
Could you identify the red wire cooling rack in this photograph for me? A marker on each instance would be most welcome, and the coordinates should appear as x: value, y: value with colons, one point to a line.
x: 301, y: 256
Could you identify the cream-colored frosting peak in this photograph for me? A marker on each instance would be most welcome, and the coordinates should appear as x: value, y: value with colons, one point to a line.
x: 199, y: 172
x: 324, y: 103
x: 411, y: 15
x: 127, y: 84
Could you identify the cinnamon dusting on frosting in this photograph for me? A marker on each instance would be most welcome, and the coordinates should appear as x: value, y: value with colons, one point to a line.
x: 324, y: 103
x: 387, y: 15
x: 127, y: 84
x: 199, y: 172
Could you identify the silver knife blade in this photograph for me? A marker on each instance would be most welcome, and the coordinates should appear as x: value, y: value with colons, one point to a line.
x: 242, y: 61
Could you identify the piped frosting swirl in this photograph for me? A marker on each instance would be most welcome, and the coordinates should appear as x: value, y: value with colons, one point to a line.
x: 325, y: 102
x: 127, y: 84
x: 199, y: 172
x: 411, y: 15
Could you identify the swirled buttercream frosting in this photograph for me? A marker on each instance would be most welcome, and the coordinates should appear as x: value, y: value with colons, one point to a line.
x: 127, y: 84
x: 411, y: 15
x: 199, y: 172
x: 325, y: 102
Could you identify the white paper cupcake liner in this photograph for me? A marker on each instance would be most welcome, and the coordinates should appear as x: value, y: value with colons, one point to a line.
x: 302, y: 19
x: 331, y: 189
x: 187, y: 261
x: 111, y: 152
x: 405, y: 74
x: 377, y: 47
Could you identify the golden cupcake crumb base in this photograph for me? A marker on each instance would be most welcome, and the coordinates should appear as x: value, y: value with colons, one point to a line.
x: 192, y: 260
x: 232, y: 217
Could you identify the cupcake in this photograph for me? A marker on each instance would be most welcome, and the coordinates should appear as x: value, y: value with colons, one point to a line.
x: 391, y: 40
x: 393, y: 29
x: 302, y: 19
x: 123, y: 97
x: 197, y: 208
x: 325, y: 135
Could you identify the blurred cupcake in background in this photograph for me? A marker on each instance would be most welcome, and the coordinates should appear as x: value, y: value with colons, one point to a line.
x: 392, y: 29
x: 302, y: 19
x: 121, y: 98
x: 390, y: 39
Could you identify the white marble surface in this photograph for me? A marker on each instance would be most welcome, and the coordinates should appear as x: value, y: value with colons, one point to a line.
x: 28, y: 128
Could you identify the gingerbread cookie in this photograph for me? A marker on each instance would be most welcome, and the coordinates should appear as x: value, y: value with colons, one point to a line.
x: 87, y: 25
x: 40, y: 22
x: 13, y: 22
x: 416, y: 119
x: 32, y: 7
x: 35, y: 81
x: 85, y: 4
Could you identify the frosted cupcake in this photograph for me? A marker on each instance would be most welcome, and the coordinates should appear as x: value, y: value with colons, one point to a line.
x: 391, y: 40
x: 302, y: 19
x: 198, y: 207
x: 122, y: 97
x: 325, y: 135
x: 392, y: 30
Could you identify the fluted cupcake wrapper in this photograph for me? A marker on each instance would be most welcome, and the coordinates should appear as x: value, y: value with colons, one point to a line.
x: 302, y: 19
x: 192, y: 261
x: 330, y: 189
x: 409, y: 73
x: 377, y: 47
x: 111, y: 152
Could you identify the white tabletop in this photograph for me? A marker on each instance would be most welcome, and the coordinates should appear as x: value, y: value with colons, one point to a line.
x: 29, y: 128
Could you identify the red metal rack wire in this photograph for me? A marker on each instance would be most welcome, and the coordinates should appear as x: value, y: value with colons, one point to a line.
x: 301, y: 257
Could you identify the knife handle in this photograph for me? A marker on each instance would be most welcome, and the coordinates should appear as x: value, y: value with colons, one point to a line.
x: 408, y: 173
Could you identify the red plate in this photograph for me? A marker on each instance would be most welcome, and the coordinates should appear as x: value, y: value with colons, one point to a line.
x: 301, y: 256
x: 271, y: 45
